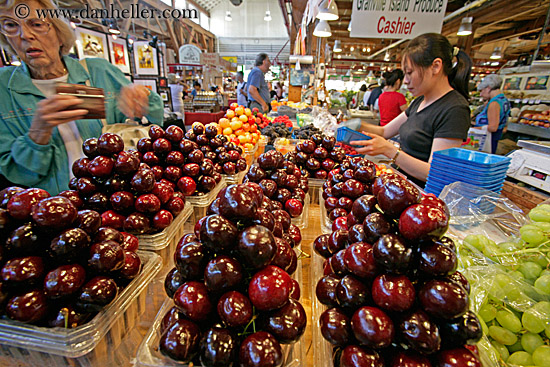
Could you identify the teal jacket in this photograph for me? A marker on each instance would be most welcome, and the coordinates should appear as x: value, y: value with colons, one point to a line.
x: 24, y: 162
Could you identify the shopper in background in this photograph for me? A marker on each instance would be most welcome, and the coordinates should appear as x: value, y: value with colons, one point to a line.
x: 391, y: 103
x: 278, y: 90
x: 41, y: 132
x: 375, y: 94
x: 367, y: 94
x: 196, y: 89
x: 242, y: 94
x: 438, y: 119
x: 360, y: 95
x: 497, y: 110
x: 176, y: 92
x: 258, y: 91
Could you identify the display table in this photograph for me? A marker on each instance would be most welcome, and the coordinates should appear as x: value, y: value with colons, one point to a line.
x: 540, y: 132
x: 202, y: 117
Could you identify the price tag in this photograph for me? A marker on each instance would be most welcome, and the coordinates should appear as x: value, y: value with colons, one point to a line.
x: 537, y: 101
x: 525, y: 100
x: 518, y: 100
x: 531, y: 101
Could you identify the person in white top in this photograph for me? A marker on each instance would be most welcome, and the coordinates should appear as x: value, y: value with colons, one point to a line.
x: 242, y: 94
x: 176, y: 92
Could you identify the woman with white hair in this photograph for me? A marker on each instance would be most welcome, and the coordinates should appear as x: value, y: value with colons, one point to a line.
x: 41, y: 132
x: 497, y: 110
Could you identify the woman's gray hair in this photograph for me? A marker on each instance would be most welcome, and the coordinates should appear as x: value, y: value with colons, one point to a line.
x: 493, y: 81
x: 62, y: 28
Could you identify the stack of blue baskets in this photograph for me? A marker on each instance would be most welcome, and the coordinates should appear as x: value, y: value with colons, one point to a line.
x: 483, y: 170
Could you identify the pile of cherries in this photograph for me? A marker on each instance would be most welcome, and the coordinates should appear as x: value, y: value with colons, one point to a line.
x: 317, y: 156
x: 235, y: 302
x: 60, y: 266
x: 281, y: 181
x: 126, y: 192
x: 390, y: 283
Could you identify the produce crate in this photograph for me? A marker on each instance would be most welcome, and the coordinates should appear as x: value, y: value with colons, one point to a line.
x: 92, y: 344
x: 326, y: 223
x: 303, y: 219
x: 285, y: 148
x: 201, y: 203
x: 165, y: 242
x: 148, y: 354
x: 314, y: 185
x: 234, y: 179
x: 523, y: 197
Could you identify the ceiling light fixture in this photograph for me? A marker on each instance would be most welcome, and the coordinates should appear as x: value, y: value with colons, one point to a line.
x: 228, y: 17
x: 465, y: 28
x: 267, y: 17
x: 322, y: 29
x: 387, y: 56
x: 364, y: 49
x: 328, y: 10
x: 349, y: 27
x: 352, y: 48
x: 337, y: 46
x: 497, y: 54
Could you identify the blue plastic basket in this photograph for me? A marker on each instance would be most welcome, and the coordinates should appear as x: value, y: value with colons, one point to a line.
x: 444, y: 182
x: 345, y: 135
x: 474, y: 158
x: 465, y: 167
x: 469, y: 178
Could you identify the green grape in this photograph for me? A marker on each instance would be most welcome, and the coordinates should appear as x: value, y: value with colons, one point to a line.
x: 530, y: 270
x: 502, y: 335
x: 520, y: 358
x: 473, y: 240
x: 532, y: 322
x: 541, y: 260
x: 530, y: 342
x: 509, y: 321
x: 542, y: 284
x: 491, y: 250
x: 488, y: 312
x: 528, y: 227
x: 543, y: 307
x: 516, y: 347
x: 466, y: 261
x: 543, y: 226
x: 501, y: 349
x: 517, y: 275
x: 484, y: 327
x: 541, y: 356
x: 507, y: 246
x: 545, y: 207
x: 533, y: 237
x: 539, y: 215
x: 502, y: 280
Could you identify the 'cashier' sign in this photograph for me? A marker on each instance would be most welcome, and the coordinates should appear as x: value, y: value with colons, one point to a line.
x: 396, y: 18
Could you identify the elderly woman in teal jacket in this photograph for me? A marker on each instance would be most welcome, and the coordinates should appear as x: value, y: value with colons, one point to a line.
x: 40, y: 131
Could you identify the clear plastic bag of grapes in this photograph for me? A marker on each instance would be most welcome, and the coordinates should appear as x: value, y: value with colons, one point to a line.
x: 479, y: 211
x: 514, y: 315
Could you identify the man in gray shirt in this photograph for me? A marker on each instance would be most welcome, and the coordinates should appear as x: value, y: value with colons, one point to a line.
x: 258, y: 92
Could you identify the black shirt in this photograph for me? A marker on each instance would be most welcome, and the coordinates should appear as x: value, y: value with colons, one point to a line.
x: 448, y: 117
x: 376, y: 92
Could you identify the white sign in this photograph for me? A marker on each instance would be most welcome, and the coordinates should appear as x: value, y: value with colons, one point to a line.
x: 396, y: 18
x: 190, y: 54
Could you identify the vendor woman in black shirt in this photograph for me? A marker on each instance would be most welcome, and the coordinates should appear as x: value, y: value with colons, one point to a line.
x: 438, y: 119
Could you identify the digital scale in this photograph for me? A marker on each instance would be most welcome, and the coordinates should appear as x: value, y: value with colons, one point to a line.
x: 531, y: 164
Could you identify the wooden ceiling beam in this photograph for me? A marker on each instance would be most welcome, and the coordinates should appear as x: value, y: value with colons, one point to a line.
x: 526, y: 28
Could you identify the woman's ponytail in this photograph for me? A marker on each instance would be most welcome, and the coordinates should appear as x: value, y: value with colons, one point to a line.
x: 460, y: 75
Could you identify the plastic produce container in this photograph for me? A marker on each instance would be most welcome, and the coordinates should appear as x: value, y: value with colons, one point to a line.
x: 234, y: 179
x: 465, y: 167
x: 303, y: 219
x: 149, y: 355
x: 345, y: 135
x: 322, y: 349
x: 95, y: 343
x: 472, y: 158
x: 280, y: 144
x: 249, y: 155
x: 326, y: 223
x: 165, y: 242
x: 314, y: 185
x: 262, y: 142
x: 201, y: 203
x: 470, y: 177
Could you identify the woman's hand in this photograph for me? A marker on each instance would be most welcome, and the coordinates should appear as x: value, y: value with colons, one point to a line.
x: 51, y: 112
x: 375, y: 146
x: 134, y: 101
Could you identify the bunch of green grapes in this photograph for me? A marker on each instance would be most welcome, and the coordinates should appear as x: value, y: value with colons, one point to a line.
x: 519, y: 338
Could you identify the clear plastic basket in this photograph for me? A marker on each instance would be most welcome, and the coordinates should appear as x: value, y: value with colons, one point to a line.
x: 326, y: 223
x: 164, y: 243
x: 235, y: 179
x: 285, y: 145
x: 201, y: 203
x: 148, y: 354
x: 249, y: 155
x: 92, y: 344
x: 322, y: 349
x: 314, y: 185
x: 303, y: 219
